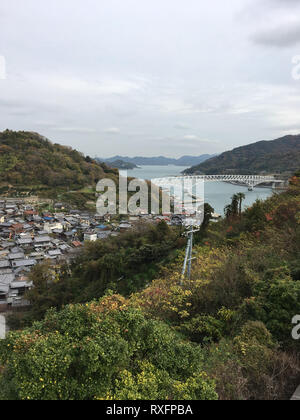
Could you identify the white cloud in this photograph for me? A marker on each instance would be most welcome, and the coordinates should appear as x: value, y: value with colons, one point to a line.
x: 112, y: 130
x: 151, y: 71
x: 190, y: 137
x: 75, y: 85
x: 181, y: 126
x: 74, y: 129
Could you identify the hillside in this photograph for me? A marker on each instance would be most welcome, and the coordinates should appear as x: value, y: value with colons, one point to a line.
x: 123, y: 330
x: 28, y: 160
x: 277, y: 156
x: 159, y: 160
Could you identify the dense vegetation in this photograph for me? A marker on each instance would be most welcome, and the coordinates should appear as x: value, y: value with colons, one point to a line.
x: 123, y: 264
x: 30, y: 162
x: 278, y: 156
x: 224, y: 334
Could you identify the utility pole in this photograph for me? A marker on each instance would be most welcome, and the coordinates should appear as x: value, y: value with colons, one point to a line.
x: 188, y: 255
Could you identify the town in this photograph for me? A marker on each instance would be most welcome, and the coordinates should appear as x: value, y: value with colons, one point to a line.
x: 29, y: 235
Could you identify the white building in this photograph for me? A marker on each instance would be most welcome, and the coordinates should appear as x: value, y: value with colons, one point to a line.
x: 90, y: 237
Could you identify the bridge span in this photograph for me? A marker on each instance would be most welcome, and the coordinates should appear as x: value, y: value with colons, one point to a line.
x: 250, y: 181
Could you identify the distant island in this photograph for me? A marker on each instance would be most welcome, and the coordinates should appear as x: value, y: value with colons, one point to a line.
x: 280, y: 156
x: 118, y: 164
x: 157, y: 161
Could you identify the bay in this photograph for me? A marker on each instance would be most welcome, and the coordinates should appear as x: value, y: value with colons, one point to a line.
x: 217, y: 194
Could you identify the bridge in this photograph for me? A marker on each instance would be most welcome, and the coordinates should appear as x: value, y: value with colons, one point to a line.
x: 250, y: 181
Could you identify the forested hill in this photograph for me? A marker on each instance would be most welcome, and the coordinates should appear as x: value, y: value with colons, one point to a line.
x: 277, y: 156
x: 29, y: 160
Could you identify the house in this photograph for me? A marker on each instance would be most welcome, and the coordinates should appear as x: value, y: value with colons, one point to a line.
x: 48, y: 217
x: 39, y: 256
x: 24, y: 242
x: 5, y: 245
x: 90, y: 236
x: 30, y: 213
x: 22, y: 272
x: 134, y: 218
x: 125, y: 226
x: 20, y: 287
x: 69, y: 235
x: 76, y: 244
x: 85, y: 220
x: 4, y: 253
x: 42, y: 241
x: 64, y: 248
x: 4, y: 264
x: 50, y: 227
x: 13, y: 207
x: 54, y: 254
x: 4, y: 289
x: 17, y: 228
x: 42, y: 232
x: 5, y: 281
x: 16, y: 256
x: 102, y: 227
x: 4, y: 271
x: 7, y: 278
x: 104, y: 234
x: 24, y: 263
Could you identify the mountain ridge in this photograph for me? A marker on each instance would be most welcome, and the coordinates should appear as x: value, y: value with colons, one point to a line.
x: 266, y: 156
x: 158, y: 160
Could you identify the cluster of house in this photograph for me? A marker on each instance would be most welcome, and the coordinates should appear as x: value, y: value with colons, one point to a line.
x: 28, y: 237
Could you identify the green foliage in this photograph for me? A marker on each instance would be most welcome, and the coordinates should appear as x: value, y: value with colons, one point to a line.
x: 208, y: 211
x: 224, y: 333
x: 203, y: 328
x: 124, y: 264
x: 100, y: 350
x: 234, y: 210
x: 277, y: 300
x: 31, y: 161
x: 152, y: 384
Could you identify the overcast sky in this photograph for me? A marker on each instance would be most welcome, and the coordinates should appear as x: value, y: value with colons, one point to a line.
x: 150, y: 77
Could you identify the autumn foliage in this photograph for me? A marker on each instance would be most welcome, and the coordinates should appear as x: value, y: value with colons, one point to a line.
x: 225, y: 333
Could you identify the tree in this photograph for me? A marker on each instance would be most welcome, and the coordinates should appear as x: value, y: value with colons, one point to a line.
x: 208, y: 211
x: 106, y: 349
x: 240, y: 197
x: 232, y: 210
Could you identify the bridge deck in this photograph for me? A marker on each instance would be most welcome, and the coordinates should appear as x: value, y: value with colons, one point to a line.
x: 250, y: 180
